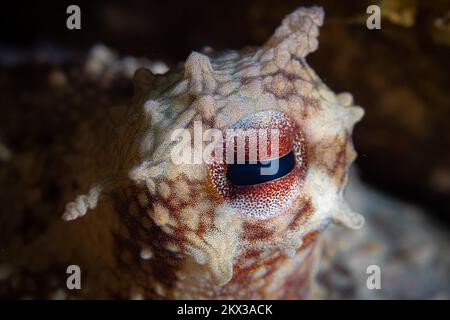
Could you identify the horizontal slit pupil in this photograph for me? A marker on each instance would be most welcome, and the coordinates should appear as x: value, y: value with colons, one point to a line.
x: 250, y: 173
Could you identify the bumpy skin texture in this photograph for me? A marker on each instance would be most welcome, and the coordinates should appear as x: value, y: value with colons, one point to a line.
x: 166, y: 230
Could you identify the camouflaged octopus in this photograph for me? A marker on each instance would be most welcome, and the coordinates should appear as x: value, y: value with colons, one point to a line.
x: 184, y: 230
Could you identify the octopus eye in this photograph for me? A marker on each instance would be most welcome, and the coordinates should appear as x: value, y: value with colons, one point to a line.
x: 267, y: 185
x: 248, y: 174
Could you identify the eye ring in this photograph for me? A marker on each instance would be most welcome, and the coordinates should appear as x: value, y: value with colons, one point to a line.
x: 263, y: 200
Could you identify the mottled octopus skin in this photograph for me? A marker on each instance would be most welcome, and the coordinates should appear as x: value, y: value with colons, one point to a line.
x: 179, y: 236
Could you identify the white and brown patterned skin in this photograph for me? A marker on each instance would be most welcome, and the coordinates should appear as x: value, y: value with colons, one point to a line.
x: 175, y: 234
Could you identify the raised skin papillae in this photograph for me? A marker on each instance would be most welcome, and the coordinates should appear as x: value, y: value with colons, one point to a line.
x: 180, y: 235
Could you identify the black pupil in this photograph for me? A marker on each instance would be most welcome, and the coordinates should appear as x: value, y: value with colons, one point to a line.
x: 247, y: 174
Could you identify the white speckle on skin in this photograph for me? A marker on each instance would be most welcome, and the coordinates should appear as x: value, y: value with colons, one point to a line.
x: 146, y: 254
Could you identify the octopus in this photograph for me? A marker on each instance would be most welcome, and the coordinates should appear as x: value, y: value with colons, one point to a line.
x: 140, y: 225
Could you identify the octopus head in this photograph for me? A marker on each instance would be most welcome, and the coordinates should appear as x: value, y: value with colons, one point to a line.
x: 227, y: 220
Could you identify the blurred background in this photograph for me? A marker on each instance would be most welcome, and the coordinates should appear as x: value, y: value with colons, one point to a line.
x: 49, y: 75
